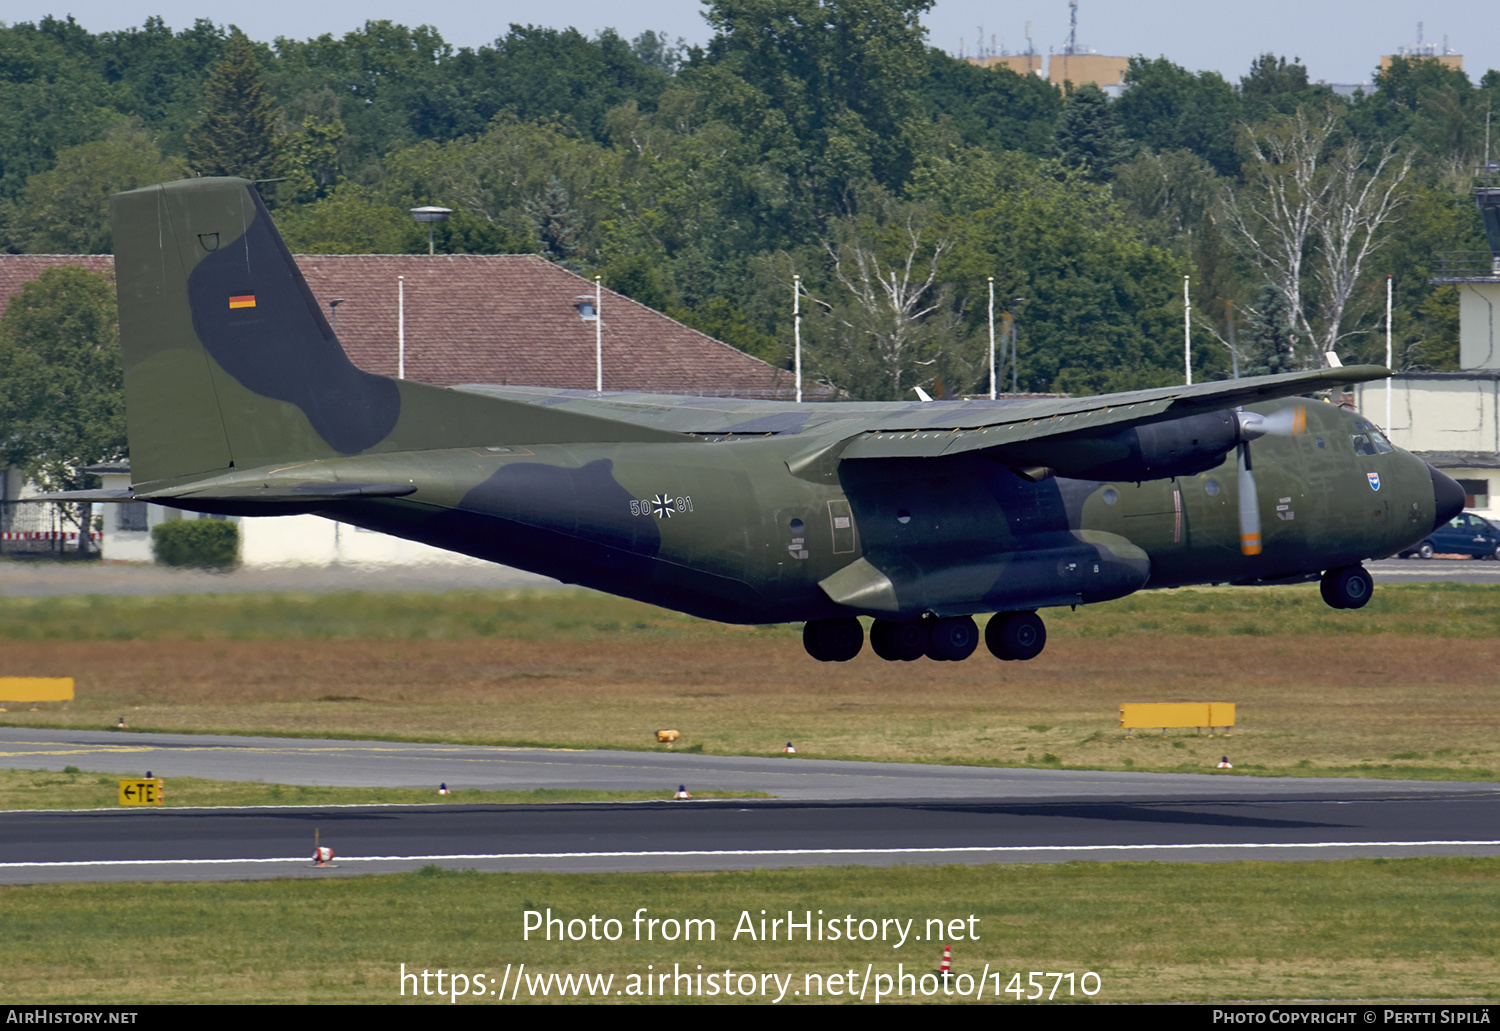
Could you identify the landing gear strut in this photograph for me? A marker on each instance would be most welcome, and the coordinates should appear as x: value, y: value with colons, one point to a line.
x: 833, y: 640
x: 1347, y: 588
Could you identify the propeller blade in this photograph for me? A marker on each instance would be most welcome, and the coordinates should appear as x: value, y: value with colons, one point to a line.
x: 1249, y: 505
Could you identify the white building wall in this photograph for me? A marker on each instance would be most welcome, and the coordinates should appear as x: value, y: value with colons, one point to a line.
x: 1479, y: 325
x: 1454, y: 413
x: 312, y: 540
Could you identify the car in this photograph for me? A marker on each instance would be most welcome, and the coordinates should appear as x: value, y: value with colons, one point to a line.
x: 1464, y: 534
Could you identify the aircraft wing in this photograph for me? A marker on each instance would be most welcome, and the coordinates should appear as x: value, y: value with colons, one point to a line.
x: 953, y: 433
x: 931, y: 429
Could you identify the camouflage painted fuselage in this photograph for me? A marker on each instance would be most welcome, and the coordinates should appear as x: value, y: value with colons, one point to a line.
x: 725, y: 530
x: 241, y: 401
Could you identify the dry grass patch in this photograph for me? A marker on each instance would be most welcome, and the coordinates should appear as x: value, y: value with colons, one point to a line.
x: 585, y: 671
x: 76, y: 789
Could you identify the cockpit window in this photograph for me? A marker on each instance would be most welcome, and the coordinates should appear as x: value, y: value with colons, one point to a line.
x: 1368, y: 440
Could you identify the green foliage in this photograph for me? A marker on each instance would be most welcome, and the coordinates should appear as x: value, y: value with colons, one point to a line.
x: 51, y: 98
x: 197, y: 543
x: 721, y: 319
x: 1102, y: 309
x: 885, y: 324
x: 1088, y: 137
x: 636, y: 276
x: 1169, y: 108
x: 993, y: 108
x: 237, y: 133
x: 351, y: 220
x: 550, y: 75
x: 311, y: 159
x: 1274, y: 87
x: 66, y: 209
x: 1273, y: 344
x: 61, y: 385
x: 821, y: 89
x: 556, y: 226
x: 699, y: 181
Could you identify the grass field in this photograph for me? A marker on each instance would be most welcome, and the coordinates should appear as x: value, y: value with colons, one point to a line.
x: 1402, y: 688
x: 1367, y: 930
x: 75, y: 789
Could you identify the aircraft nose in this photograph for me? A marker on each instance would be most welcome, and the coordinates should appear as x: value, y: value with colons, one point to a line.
x: 1448, y: 495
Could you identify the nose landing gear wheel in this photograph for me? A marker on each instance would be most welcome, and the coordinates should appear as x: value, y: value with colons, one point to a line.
x: 1015, y: 635
x: 1347, y: 588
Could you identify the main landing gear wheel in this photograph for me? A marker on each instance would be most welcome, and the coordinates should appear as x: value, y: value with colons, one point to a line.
x: 833, y: 640
x: 898, y: 642
x: 1016, y: 635
x: 952, y: 639
x: 1347, y: 588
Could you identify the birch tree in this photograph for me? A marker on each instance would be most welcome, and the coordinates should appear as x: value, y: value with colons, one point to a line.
x: 1312, y: 216
x: 892, y: 327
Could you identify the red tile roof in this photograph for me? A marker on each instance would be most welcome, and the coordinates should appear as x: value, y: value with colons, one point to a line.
x: 506, y: 319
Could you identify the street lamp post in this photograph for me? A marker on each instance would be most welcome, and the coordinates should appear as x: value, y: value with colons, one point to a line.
x: 430, y: 215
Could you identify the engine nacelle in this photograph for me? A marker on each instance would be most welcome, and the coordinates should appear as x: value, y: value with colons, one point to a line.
x: 1158, y: 450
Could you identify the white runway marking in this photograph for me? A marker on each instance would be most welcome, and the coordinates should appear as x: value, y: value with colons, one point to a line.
x: 956, y: 850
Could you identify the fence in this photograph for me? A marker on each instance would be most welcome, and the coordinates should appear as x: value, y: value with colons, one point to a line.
x: 29, y: 528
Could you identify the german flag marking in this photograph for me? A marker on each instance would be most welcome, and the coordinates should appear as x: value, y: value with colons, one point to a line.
x: 242, y: 301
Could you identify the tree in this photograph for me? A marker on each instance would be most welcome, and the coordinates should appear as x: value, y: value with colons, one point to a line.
x: 890, y: 327
x: 1273, y: 344
x: 556, y: 225
x: 61, y: 386
x: 1088, y: 137
x: 1169, y: 108
x: 994, y: 108
x: 823, y: 89
x: 312, y: 161
x: 1101, y: 311
x: 237, y: 133
x: 1313, y: 215
x: 541, y: 74
x: 66, y: 209
x: 50, y: 99
x: 1274, y: 87
x: 351, y: 220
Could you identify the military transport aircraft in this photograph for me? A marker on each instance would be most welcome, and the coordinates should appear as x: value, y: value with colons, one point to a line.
x: 241, y: 401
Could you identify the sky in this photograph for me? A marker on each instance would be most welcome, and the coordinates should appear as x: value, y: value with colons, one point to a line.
x: 1338, y: 40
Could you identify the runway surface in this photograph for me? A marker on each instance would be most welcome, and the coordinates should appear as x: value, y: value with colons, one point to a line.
x: 41, y: 579
x: 826, y: 813
x: 398, y: 764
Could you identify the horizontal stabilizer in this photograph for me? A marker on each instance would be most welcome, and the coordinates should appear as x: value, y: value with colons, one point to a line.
x: 292, y: 492
x: 124, y: 494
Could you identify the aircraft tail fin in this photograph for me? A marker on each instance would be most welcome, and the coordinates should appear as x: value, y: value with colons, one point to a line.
x: 230, y: 364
